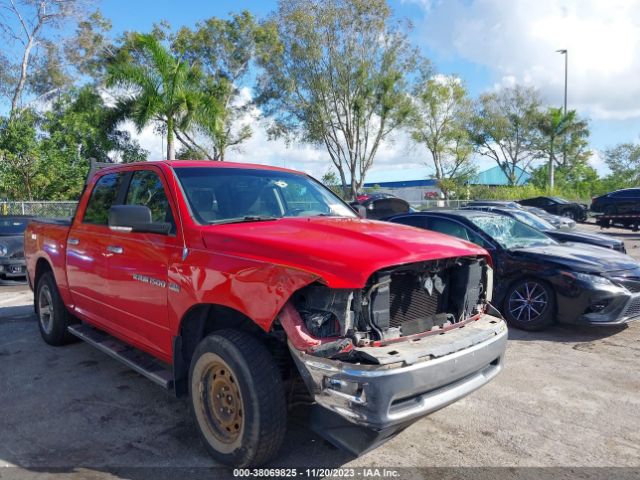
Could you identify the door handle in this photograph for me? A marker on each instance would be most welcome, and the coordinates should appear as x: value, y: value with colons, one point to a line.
x: 73, y: 241
x: 115, y: 249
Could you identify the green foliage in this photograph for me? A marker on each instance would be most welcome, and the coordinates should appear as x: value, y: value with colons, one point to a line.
x: 518, y: 192
x: 20, y: 157
x: 624, y: 162
x: 160, y: 87
x: 441, y: 112
x: 505, y: 128
x: 226, y: 49
x: 337, y: 78
x: 47, y: 156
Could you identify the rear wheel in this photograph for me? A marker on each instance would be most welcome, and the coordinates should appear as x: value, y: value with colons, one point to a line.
x: 53, y: 317
x: 237, y: 398
x: 530, y: 304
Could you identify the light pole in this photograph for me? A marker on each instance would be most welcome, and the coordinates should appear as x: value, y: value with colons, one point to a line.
x: 564, y: 52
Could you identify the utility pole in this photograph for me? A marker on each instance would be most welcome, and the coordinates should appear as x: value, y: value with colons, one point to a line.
x: 564, y: 52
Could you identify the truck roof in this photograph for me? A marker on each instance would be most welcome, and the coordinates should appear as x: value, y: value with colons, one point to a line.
x: 208, y: 164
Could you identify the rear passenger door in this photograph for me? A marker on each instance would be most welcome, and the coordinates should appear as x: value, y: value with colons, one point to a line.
x: 87, y: 268
x: 139, y: 266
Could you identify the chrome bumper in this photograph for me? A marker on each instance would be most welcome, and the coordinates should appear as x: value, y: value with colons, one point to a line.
x: 434, y: 372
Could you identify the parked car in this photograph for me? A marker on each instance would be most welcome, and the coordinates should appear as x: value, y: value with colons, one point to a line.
x: 558, y: 206
x: 233, y: 283
x: 539, y: 280
x: 560, y: 234
x: 12, y: 262
x: 493, y: 203
x: 620, y: 202
x: 381, y: 205
x: 556, y: 220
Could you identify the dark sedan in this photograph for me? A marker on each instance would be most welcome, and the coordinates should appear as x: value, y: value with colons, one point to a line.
x: 558, y: 206
x: 559, y: 234
x: 538, y: 280
x: 12, y: 262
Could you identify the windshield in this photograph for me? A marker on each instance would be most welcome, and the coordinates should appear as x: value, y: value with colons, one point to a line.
x: 13, y: 226
x: 509, y: 232
x: 532, y: 220
x: 227, y: 195
x: 559, y: 200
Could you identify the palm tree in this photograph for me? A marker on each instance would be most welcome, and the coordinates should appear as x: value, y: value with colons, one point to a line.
x: 160, y: 87
x: 555, y: 126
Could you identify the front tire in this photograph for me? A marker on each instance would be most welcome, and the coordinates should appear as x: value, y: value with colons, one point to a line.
x: 237, y: 399
x: 530, y: 304
x: 53, y: 317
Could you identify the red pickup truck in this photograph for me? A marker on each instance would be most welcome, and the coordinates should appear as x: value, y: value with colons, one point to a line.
x: 239, y: 284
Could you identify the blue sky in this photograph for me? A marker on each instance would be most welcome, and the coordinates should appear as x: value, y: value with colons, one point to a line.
x: 488, y: 43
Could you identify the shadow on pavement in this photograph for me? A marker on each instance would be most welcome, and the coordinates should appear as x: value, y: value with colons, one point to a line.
x: 567, y: 333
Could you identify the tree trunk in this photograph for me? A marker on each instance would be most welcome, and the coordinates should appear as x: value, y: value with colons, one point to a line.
x: 551, y: 167
x: 171, y: 154
x: 17, y: 93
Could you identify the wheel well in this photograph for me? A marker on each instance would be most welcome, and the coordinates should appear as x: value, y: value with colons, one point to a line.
x: 204, y: 319
x: 42, y: 266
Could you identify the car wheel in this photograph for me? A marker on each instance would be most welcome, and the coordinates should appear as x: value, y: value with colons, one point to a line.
x: 237, y: 398
x: 53, y: 317
x: 530, y: 304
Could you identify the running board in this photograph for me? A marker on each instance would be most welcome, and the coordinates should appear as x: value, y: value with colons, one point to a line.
x: 133, y: 358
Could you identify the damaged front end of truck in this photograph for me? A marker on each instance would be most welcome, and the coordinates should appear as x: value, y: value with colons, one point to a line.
x: 416, y: 338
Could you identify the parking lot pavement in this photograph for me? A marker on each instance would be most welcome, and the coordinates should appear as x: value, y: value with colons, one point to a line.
x: 567, y: 397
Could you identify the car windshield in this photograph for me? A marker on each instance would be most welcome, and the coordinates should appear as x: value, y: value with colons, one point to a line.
x: 509, y: 232
x: 13, y: 226
x: 532, y: 220
x: 229, y: 195
x: 559, y: 200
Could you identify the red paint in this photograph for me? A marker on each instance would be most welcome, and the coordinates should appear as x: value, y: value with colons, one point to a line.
x: 253, y: 268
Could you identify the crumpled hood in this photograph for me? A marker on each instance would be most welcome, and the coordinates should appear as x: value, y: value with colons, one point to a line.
x: 343, y: 251
x: 580, y: 257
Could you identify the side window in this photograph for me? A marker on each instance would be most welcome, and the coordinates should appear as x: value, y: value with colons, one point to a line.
x: 448, y: 227
x: 102, y: 198
x: 413, y: 221
x: 146, y: 189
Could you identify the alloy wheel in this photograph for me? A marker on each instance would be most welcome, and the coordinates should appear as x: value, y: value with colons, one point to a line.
x: 528, y: 302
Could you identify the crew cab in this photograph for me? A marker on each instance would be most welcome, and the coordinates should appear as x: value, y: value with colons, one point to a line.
x: 237, y: 284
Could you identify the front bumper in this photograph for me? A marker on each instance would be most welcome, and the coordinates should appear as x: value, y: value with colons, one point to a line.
x: 621, y: 306
x: 13, y: 268
x: 430, y: 374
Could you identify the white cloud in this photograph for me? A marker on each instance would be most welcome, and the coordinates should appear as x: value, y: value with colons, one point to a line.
x: 518, y: 40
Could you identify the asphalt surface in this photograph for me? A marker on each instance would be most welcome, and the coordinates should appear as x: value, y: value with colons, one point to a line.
x: 567, y: 397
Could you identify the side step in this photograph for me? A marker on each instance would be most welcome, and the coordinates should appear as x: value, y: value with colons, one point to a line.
x: 133, y: 358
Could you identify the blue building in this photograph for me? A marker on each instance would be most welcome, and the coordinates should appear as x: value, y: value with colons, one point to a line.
x: 495, y: 177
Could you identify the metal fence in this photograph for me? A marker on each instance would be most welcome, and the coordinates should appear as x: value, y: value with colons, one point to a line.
x: 39, y: 209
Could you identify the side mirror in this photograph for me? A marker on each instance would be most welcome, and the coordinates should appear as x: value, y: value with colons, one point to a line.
x: 359, y: 209
x: 135, y: 218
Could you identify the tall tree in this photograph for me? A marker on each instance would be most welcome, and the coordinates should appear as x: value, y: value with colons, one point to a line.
x: 27, y: 24
x: 157, y: 86
x: 624, y: 162
x: 441, y: 113
x: 226, y: 49
x: 505, y: 129
x: 20, y: 162
x: 565, y: 133
x: 336, y: 78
